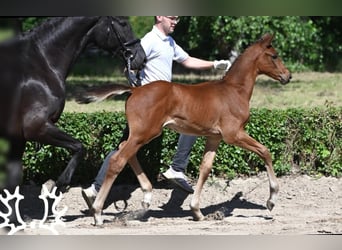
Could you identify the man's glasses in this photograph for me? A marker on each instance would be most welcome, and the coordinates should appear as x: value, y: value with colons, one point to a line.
x: 175, y: 19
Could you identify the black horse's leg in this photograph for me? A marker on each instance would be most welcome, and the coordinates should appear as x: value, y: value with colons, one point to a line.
x: 12, y: 169
x: 52, y: 135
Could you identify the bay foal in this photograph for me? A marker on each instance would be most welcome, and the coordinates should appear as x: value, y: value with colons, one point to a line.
x: 218, y: 110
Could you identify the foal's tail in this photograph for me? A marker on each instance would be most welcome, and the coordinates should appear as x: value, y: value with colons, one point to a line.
x: 98, y: 94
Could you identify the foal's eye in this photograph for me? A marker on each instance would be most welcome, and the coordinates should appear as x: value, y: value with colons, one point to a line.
x: 274, y: 57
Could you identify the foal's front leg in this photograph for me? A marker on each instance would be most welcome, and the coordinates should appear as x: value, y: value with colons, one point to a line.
x: 247, y: 142
x: 205, y: 168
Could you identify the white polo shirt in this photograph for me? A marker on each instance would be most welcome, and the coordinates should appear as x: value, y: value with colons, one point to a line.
x: 160, y: 52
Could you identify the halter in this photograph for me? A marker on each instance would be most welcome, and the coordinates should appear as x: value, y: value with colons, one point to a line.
x: 133, y: 80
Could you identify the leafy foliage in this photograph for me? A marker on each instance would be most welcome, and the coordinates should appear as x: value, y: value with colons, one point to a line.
x: 4, y: 147
x: 304, y: 42
x: 316, y: 141
x: 141, y: 24
x: 297, y: 38
x: 306, y: 139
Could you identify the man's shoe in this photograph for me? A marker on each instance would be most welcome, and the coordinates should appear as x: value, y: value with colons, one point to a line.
x: 179, y: 179
x: 89, y: 195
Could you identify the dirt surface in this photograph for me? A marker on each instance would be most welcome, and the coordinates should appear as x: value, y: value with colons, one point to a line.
x: 305, y: 205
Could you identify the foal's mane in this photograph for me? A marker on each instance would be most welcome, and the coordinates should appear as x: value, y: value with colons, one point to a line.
x: 246, y: 51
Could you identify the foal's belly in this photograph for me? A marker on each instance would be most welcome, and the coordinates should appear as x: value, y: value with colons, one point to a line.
x: 192, y: 128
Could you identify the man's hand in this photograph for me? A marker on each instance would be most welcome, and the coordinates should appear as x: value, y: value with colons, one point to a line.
x: 222, y: 64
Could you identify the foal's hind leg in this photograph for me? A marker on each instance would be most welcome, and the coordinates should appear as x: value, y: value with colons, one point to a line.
x: 243, y: 140
x: 116, y: 163
x: 205, y: 168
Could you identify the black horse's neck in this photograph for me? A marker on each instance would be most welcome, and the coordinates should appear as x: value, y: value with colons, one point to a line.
x: 61, y: 40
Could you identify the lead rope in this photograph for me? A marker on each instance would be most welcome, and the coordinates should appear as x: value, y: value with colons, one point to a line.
x: 133, y: 79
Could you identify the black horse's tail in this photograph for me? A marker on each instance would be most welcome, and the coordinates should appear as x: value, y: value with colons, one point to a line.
x: 100, y: 93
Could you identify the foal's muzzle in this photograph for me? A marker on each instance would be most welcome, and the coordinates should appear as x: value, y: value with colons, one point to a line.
x: 285, y: 78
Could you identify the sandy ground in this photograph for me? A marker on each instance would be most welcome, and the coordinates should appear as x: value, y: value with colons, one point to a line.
x: 306, y: 205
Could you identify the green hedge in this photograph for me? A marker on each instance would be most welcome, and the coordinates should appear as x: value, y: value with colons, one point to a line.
x: 304, y: 140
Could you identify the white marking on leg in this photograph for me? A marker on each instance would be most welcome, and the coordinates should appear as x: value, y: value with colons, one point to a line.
x: 147, y: 197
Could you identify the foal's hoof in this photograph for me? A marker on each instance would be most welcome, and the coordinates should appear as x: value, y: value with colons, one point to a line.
x: 198, y: 217
x: 196, y: 214
x: 98, y: 221
x: 270, y: 205
x: 145, y: 205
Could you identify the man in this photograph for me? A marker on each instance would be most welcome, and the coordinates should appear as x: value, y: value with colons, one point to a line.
x: 161, y: 50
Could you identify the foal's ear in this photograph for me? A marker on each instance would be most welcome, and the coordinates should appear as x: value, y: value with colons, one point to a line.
x: 267, y: 39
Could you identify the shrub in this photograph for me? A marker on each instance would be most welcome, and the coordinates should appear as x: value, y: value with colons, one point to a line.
x: 308, y: 139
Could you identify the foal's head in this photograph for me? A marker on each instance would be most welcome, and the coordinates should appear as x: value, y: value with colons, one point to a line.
x: 268, y: 61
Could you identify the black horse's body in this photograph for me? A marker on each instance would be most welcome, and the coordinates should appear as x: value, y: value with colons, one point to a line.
x: 33, y: 70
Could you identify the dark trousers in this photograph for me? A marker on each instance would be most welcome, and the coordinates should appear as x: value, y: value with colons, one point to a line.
x: 103, y: 170
x: 181, y: 158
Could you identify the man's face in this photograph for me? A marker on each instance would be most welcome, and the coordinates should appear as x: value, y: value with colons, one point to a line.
x: 169, y: 23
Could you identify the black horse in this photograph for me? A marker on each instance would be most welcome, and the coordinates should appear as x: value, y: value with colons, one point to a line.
x: 33, y: 70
